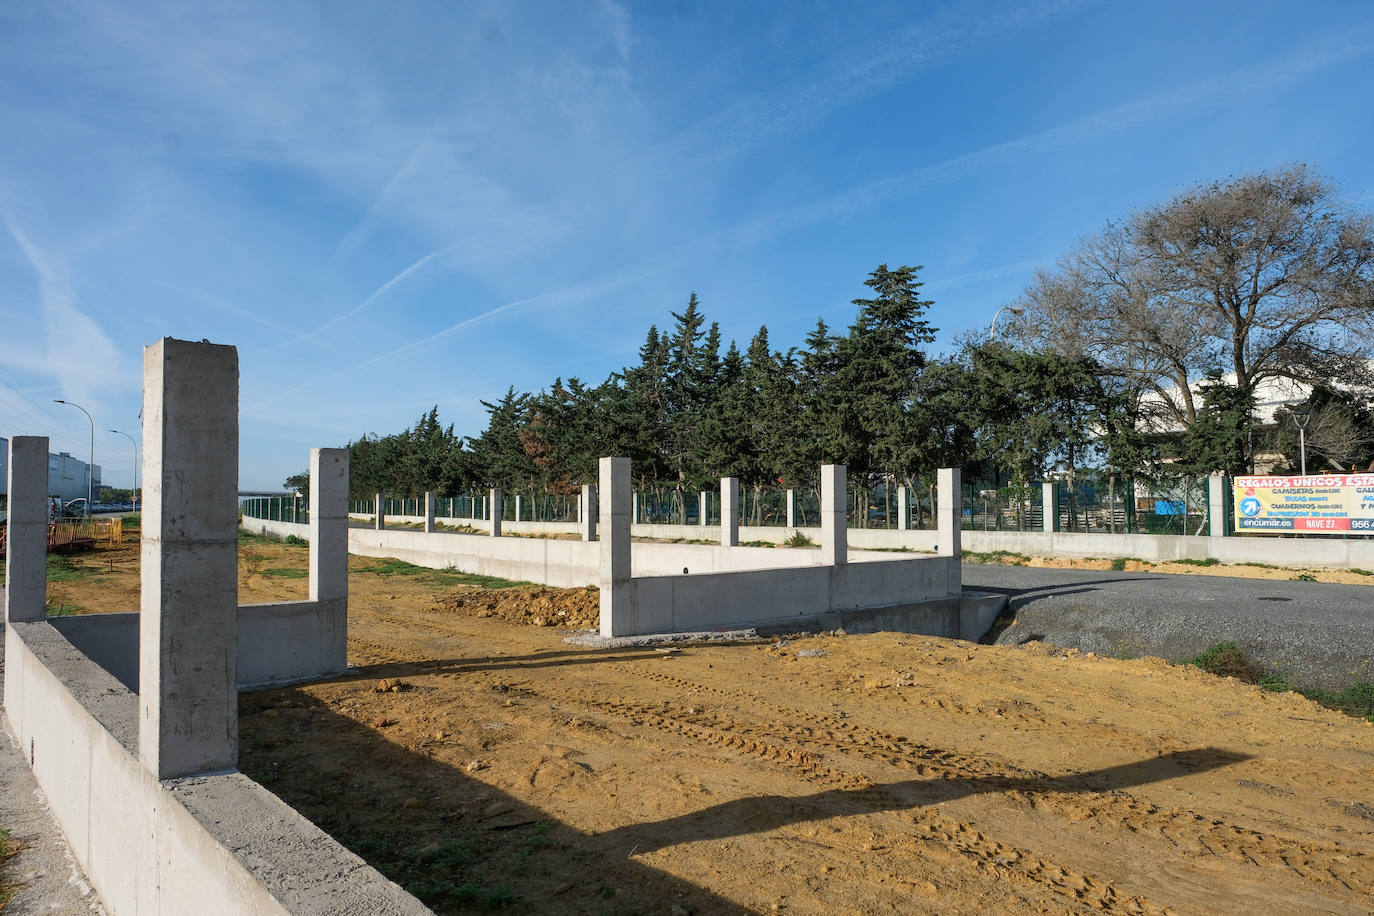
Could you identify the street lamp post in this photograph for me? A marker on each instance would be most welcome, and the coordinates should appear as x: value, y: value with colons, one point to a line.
x: 90, y: 466
x: 134, y: 442
x: 1301, y: 415
x: 1014, y: 309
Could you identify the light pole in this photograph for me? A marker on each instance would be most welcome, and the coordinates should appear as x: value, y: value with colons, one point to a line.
x: 134, y: 442
x: 1301, y: 415
x: 90, y: 467
x: 1014, y: 309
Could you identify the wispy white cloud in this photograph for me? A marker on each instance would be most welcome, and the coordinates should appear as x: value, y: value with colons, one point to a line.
x: 78, y: 353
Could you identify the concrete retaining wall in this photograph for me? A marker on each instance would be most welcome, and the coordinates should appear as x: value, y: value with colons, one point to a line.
x: 216, y: 843
x: 1326, y: 553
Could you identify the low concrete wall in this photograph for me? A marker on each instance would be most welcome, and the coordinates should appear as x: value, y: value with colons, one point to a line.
x: 216, y: 843
x: 284, y: 643
x: 766, y: 597
x: 1327, y: 553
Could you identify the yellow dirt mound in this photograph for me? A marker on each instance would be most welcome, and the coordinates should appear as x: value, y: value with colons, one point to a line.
x: 532, y: 605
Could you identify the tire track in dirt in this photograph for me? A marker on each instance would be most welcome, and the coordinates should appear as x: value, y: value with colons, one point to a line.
x: 981, y: 852
x: 1184, y: 829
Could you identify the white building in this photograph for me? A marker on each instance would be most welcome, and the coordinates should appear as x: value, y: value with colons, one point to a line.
x: 66, y: 475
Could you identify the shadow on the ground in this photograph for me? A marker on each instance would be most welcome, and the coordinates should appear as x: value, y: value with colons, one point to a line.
x: 462, y: 845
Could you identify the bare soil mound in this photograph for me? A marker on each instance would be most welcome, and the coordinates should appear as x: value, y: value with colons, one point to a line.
x: 533, y: 605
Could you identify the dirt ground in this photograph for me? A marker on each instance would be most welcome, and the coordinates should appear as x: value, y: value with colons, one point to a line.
x: 479, y: 760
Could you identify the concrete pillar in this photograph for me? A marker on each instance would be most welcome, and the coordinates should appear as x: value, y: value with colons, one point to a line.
x: 729, y: 511
x: 1216, y: 506
x: 586, y: 512
x: 834, y: 533
x: 519, y: 506
x: 429, y: 512
x: 615, y: 507
x: 328, y: 524
x: 26, y: 536
x: 903, y: 509
x: 951, y: 506
x: 1049, y: 503
x: 188, y: 620
x: 703, y: 507
x: 791, y: 508
x: 497, y: 506
x: 380, y: 521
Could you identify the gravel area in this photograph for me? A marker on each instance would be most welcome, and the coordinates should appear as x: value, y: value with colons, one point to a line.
x: 1312, y: 634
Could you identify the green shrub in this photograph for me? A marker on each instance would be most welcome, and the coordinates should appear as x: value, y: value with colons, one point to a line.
x: 295, y: 541
x: 1226, y: 659
x: 799, y: 539
x: 1119, y: 564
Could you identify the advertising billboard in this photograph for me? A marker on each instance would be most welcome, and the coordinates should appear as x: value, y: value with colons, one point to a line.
x: 1316, y: 504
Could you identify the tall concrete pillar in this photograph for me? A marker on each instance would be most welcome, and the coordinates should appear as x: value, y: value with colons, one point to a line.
x: 328, y: 524
x: 497, y: 507
x: 379, y: 522
x: 586, y: 512
x: 614, y: 581
x: 951, y: 506
x: 791, y: 508
x: 1049, y: 503
x: 519, y: 506
x: 703, y: 507
x: 1216, y: 506
x: 903, y: 509
x: 729, y: 511
x: 188, y: 620
x: 26, y: 536
x: 429, y: 512
x: 834, y: 533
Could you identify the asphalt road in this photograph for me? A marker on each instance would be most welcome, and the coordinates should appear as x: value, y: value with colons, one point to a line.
x: 1312, y: 633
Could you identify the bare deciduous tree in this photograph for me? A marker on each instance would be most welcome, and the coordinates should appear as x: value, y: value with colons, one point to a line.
x: 1264, y: 276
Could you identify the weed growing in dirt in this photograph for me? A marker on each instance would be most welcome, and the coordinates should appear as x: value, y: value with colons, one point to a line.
x: 440, y: 578
x: 799, y: 540
x: 1227, y: 660
x: 1361, y: 572
x: 1258, y: 565
x: 1304, y: 577
x: 294, y: 541
x: 997, y: 557
x: 61, y: 568
x: 757, y: 544
x: 287, y: 572
x: 1118, y: 564
x: 1189, y: 561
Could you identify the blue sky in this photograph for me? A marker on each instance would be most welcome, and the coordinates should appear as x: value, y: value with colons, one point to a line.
x: 386, y: 210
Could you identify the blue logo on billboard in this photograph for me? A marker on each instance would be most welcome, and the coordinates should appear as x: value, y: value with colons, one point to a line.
x: 1249, y: 507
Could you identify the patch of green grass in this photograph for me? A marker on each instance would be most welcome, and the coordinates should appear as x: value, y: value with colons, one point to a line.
x: 8, y: 849
x: 440, y: 578
x: 287, y: 572
x: 799, y: 539
x: 61, y: 610
x: 1189, y: 561
x: 62, y: 568
x: 134, y: 521
x: 757, y: 544
x: 1361, y: 572
x: 1258, y: 565
x: 1304, y: 577
x: 1354, y: 701
x: 294, y: 541
x: 248, y: 537
x: 997, y: 558
x: 1118, y: 564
